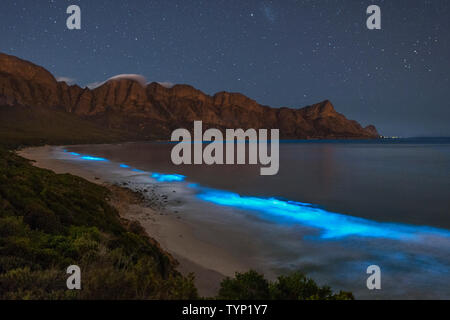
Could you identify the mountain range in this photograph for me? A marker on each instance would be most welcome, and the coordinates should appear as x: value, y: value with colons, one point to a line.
x: 153, y: 111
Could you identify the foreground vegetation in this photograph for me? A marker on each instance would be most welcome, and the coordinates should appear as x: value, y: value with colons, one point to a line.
x: 296, y: 286
x: 50, y: 221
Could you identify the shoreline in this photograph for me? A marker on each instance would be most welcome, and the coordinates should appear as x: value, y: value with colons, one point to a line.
x: 209, y: 264
x: 214, y: 242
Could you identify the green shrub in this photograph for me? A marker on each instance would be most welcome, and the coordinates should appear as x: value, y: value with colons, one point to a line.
x: 296, y: 286
x: 245, y: 286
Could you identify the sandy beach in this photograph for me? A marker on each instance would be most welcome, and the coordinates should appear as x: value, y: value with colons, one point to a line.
x: 209, y: 263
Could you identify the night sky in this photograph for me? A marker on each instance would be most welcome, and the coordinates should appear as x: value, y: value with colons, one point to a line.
x: 280, y: 53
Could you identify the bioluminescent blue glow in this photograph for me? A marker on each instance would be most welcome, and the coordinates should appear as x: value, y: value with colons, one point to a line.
x: 168, y: 177
x: 90, y: 158
x: 87, y: 157
x: 332, y: 225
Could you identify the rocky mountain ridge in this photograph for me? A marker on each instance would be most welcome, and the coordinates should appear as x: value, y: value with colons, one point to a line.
x: 154, y: 110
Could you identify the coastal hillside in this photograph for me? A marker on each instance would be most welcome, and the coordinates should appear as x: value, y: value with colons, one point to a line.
x: 31, y: 126
x: 49, y: 222
x: 154, y: 111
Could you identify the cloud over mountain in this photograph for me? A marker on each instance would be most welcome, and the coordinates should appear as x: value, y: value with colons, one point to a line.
x: 166, y: 84
x: 135, y: 77
x: 67, y: 80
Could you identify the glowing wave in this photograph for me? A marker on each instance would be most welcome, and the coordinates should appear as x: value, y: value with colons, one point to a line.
x: 93, y: 158
x: 332, y: 225
x: 86, y: 157
x: 168, y: 177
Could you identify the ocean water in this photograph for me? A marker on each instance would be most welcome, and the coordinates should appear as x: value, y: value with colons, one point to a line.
x: 334, y: 208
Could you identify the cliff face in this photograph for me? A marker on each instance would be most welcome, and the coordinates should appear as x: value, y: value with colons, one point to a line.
x: 154, y: 110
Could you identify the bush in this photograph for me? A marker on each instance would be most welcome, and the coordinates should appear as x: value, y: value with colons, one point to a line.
x: 245, y: 286
x: 41, y: 218
x: 296, y: 286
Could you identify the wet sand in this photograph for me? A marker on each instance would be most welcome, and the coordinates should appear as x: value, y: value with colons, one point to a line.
x: 209, y: 263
